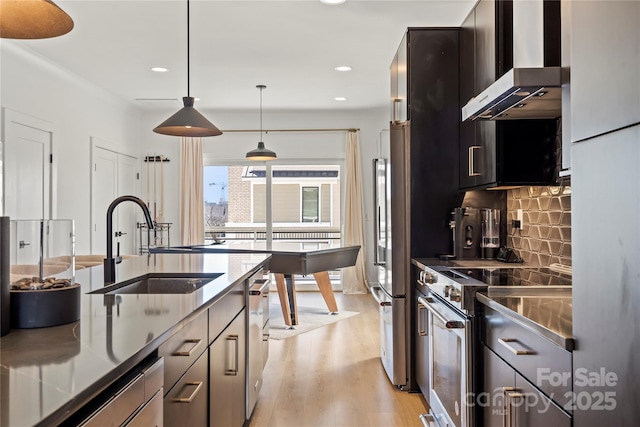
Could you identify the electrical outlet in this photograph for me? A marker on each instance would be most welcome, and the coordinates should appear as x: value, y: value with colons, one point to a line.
x: 520, y: 219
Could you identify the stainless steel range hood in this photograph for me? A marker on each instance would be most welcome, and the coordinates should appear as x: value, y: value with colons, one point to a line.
x: 521, y: 93
x: 532, y: 88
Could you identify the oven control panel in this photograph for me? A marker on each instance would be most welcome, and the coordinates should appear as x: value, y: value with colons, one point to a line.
x: 454, y: 287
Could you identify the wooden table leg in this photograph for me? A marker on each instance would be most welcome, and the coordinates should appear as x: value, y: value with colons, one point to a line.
x: 287, y: 295
x: 324, y: 283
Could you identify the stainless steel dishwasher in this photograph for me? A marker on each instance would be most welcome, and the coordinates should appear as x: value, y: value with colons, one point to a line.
x: 257, y: 350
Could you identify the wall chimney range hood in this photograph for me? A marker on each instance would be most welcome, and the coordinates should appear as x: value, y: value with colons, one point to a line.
x: 532, y: 88
x: 521, y: 93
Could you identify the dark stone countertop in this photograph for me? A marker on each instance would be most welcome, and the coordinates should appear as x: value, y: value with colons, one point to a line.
x: 47, y: 373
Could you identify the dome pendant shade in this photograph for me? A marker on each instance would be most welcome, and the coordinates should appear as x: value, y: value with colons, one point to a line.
x: 32, y: 19
x: 188, y: 122
x: 261, y: 153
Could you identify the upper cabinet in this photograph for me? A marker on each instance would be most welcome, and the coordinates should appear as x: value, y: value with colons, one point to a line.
x: 605, y: 59
x: 399, y: 95
x: 498, y: 153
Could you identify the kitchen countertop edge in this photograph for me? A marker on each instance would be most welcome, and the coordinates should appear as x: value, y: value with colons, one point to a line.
x: 567, y: 343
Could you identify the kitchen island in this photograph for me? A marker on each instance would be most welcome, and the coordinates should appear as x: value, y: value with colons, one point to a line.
x: 289, y: 258
x: 48, y: 374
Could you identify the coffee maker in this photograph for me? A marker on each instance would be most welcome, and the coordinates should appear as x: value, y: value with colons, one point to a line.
x: 490, y: 243
x: 465, y: 227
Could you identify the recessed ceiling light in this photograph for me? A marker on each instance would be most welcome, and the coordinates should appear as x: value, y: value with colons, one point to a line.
x: 343, y: 68
x: 159, y: 69
x: 332, y: 1
x: 340, y: 98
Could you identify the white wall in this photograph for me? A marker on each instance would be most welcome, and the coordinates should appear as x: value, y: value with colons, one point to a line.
x: 288, y: 146
x: 78, y: 110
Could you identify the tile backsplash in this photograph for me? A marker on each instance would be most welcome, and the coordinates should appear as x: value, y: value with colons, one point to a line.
x: 546, y: 237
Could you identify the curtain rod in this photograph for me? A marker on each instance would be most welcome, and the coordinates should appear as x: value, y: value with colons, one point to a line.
x: 291, y: 130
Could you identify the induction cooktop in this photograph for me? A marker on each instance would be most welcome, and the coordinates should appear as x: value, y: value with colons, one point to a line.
x: 519, y: 276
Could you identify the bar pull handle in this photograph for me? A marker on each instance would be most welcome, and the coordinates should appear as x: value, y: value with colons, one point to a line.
x: 510, y: 393
x: 472, y: 171
x: 379, y: 300
x: 428, y: 420
x: 422, y: 331
x: 189, y: 352
x: 518, y: 352
x: 449, y: 324
x: 397, y: 104
x: 197, y: 384
x: 232, y: 354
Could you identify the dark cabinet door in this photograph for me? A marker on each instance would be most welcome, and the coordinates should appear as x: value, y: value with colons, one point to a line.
x: 399, y: 95
x: 509, y: 399
x: 499, y: 380
x: 227, y: 370
x: 467, y: 91
x: 186, y: 403
x: 530, y: 408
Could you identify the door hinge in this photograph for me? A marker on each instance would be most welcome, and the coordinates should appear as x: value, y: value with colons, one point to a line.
x: 50, y: 158
x: 95, y: 167
x: 137, y: 175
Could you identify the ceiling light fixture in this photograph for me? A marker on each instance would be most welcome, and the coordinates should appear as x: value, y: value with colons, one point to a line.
x: 340, y: 98
x: 261, y: 153
x: 332, y: 1
x: 34, y: 19
x: 159, y: 69
x: 343, y: 68
x: 188, y: 121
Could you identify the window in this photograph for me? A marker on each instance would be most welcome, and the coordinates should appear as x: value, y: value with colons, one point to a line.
x: 310, y: 204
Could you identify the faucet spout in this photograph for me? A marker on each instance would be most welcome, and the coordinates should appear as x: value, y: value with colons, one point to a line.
x: 110, y: 261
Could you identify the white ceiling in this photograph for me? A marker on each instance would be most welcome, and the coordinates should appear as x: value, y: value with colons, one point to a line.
x: 289, y: 46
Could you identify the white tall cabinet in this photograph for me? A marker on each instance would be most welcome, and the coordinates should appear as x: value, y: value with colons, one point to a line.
x: 605, y: 130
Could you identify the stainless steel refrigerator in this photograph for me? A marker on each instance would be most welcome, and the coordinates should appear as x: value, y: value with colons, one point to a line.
x: 392, y: 256
x: 416, y: 187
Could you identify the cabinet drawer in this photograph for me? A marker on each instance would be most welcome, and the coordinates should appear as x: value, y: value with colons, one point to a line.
x: 121, y: 406
x: 225, y: 310
x: 186, y: 403
x: 536, y: 410
x: 182, y: 349
x: 540, y: 361
x: 151, y: 414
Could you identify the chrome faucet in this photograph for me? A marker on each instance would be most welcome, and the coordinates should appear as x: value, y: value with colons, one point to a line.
x: 110, y: 262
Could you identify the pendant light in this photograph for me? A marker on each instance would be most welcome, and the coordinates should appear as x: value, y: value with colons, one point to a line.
x: 33, y: 19
x: 261, y: 153
x: 188, y: 121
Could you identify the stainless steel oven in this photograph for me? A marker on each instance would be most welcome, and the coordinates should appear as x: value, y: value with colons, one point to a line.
x: 449, y: 303
x: 450, y: 336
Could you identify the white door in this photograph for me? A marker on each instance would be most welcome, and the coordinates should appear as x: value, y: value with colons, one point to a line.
x: 27, y: 171
x: 127, y: 212
x: 104, y: 187
x: 114, y: 174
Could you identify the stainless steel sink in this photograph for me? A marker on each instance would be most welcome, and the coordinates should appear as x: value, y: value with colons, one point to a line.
x: 158, y: 285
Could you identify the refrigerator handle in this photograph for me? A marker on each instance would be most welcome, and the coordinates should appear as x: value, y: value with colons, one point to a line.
x: 374, y: 293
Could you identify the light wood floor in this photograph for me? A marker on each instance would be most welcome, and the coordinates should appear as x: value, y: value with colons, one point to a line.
x: 332, y: 376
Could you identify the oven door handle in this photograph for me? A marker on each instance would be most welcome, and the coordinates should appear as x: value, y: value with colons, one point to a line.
x: 449, y: 324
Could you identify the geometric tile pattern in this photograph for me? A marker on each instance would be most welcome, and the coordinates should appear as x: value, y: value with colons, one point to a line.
x: 546, y: 237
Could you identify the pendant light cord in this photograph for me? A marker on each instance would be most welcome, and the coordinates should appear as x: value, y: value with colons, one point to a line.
x: 261, y: 113
x: 188, y: 53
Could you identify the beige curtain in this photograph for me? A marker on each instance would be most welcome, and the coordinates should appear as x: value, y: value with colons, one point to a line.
x: 191, y: 192
x: 354, y: 279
